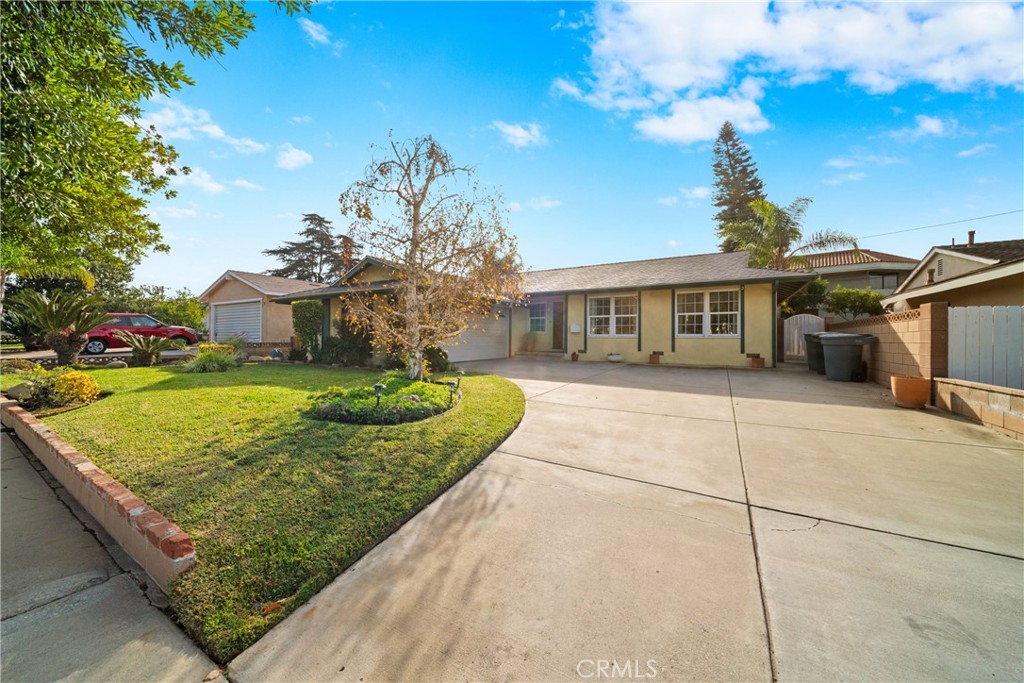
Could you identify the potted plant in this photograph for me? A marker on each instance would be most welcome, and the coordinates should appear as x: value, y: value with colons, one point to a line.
x: 911, y: 392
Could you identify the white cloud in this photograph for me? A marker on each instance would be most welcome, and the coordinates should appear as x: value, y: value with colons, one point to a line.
x: 178, y: 121
x: 520, y: 134
x: 543, y: 203
x: 860, y: 157
x: 199, y: 177
x: 699, y: 192
x: 677, y: 64
x: 986, y: 180
x: 515, y: 207
x: 290, y: 157
x: 974, y: 151
x: 247, y: 185
x: 926, y: 126
x: 298, y: 120
x: 172, y: 212
x: 673, y: 244
x: 845, y: 178
x: 668, y: 201
x: 318, y: 34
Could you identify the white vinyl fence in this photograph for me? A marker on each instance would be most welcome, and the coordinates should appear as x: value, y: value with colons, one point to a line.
x: 794, y: 329
x: 986, y: 344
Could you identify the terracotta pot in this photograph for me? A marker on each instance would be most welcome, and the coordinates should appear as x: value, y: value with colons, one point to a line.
x: 911, y: 392
x: 654, y: 359
x: 757, y: 362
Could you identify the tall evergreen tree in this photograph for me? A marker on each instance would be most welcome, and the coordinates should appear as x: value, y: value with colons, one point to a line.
x: 321, y: 256
x: 736, y: 183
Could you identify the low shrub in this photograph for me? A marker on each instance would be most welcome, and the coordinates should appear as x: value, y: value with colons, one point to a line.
x: 146, y: 350
x: 59, y: 388
x: 212, y: 361
x: 295, y: 354
x: 14, y: 365
x: 435, y: 360
x: 217, y: 346
x: 402, y: 400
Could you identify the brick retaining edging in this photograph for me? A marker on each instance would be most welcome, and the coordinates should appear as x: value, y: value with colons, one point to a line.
x: 998, y: 408
x: 158, y: 545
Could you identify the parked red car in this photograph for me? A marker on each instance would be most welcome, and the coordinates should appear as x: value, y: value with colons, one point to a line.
x: 101, y: 338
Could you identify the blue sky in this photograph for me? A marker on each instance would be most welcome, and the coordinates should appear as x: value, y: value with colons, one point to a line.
x: 595, y: 122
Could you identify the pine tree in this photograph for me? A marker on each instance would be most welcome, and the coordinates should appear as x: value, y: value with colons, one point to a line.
x: 321, y: 256
x: 736, y: 183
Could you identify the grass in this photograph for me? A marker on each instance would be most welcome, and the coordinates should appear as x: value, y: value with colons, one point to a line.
x: 277, y: 504
x: 11, y: 346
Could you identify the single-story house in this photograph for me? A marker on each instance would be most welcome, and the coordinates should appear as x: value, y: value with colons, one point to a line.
x: 972, y: 274
x: 860, y: 268
x: 709, y: 309
x: 240, y: 304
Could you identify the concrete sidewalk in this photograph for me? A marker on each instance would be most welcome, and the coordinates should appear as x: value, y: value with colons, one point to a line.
x: 695, y: 524
x: 71, y: 608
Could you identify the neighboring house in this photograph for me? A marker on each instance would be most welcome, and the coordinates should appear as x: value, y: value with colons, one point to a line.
x: 240, y: 304
x: 710, y: 309
x: 972, y: 274
x: 857, y: 269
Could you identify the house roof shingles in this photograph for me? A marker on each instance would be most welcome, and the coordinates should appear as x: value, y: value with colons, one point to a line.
x: 1006, y: 250
x: 275, y: 285
x: 663, y: 272
x: 850, y: 257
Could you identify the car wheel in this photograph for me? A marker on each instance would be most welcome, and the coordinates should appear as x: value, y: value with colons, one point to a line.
x: 95, y: 346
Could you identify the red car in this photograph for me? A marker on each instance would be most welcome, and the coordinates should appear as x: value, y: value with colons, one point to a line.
x: 101, y: 338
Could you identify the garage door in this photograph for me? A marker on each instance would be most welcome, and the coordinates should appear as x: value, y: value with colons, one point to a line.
x: 243, y: 320
x: 488, y: 340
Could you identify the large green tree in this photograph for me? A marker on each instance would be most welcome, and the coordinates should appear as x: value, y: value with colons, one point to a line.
x: 774, y: 235
x: 76, y: 164
x: 321, y: 256
x: 737, y: 183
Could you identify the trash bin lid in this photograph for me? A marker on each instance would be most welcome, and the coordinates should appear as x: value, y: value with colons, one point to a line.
x: 836, y: 338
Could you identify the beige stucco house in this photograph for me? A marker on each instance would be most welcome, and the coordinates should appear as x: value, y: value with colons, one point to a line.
x: 972, y: 274
x: 241, y: 304
x: 710, y: 309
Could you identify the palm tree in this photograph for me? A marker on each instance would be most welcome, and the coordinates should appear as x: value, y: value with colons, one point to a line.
x: 16, y: 260
x: 774, y: 237
x: 65, y: 319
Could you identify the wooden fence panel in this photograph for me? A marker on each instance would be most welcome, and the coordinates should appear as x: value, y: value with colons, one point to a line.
x: 986, y: 344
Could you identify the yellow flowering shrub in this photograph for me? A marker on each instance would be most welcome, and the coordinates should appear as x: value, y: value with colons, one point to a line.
x: 74, y: 387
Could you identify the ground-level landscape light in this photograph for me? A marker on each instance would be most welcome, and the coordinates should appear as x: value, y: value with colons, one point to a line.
x: 451, y: 393
x: 378, y: 389
x: 458, y: 381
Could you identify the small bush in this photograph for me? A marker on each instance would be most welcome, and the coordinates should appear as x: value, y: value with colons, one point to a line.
x: 14, y: 365
x: 402, y: 400
x: 75, y: 386
x: 295, y: 354
x: 435, y: 360
x: 59, y: 388
x: 212, y: 361
x: 217, y: 346
x: 307, y: 320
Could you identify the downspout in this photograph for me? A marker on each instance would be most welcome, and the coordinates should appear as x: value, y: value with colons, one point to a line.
x: 775, y: 318
x: 325, y: 330
x: 586, y: 324
x: 673, y: 326
x: 743, y: 327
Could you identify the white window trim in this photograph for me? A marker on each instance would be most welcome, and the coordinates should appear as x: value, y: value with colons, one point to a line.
x: 611, y: 315
x: 706, y: 314
x: 543, y: 318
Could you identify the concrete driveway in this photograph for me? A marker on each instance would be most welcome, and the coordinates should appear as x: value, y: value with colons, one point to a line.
x: 687, y: 524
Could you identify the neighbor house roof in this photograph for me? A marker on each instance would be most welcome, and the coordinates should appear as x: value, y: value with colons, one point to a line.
x: 676, y: 271
x: 851, y: 257
x: 336, y: 290
x: 985, y: 253
x: 997, y: 252
x: 269, y: 285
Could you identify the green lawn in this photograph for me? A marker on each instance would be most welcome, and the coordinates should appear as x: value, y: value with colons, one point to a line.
x: 277, y: 504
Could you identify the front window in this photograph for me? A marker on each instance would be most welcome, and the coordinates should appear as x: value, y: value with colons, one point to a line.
x: 708, y: 314
x: 538, y: 317
x: 879, y: 281
x: 613, y: 316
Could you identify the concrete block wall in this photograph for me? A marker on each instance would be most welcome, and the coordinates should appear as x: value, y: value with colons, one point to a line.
x: 157, y: 544
x: 998, y: 408
x: 913, y: 343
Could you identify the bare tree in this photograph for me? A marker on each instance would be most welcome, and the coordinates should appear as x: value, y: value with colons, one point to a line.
x: 452, y: 257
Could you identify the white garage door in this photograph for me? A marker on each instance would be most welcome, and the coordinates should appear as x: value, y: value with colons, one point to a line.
x: 489, y: 339
x: 242, y: 319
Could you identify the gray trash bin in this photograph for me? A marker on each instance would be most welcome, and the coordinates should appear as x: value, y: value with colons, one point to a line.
x: 843, y: 354
x: 815, y: 353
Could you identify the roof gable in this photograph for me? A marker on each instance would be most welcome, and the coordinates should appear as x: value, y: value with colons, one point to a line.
x: 850, y: 257
x: 269, y: 285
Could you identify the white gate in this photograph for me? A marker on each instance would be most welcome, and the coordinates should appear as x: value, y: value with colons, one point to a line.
x: 794, y: 329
